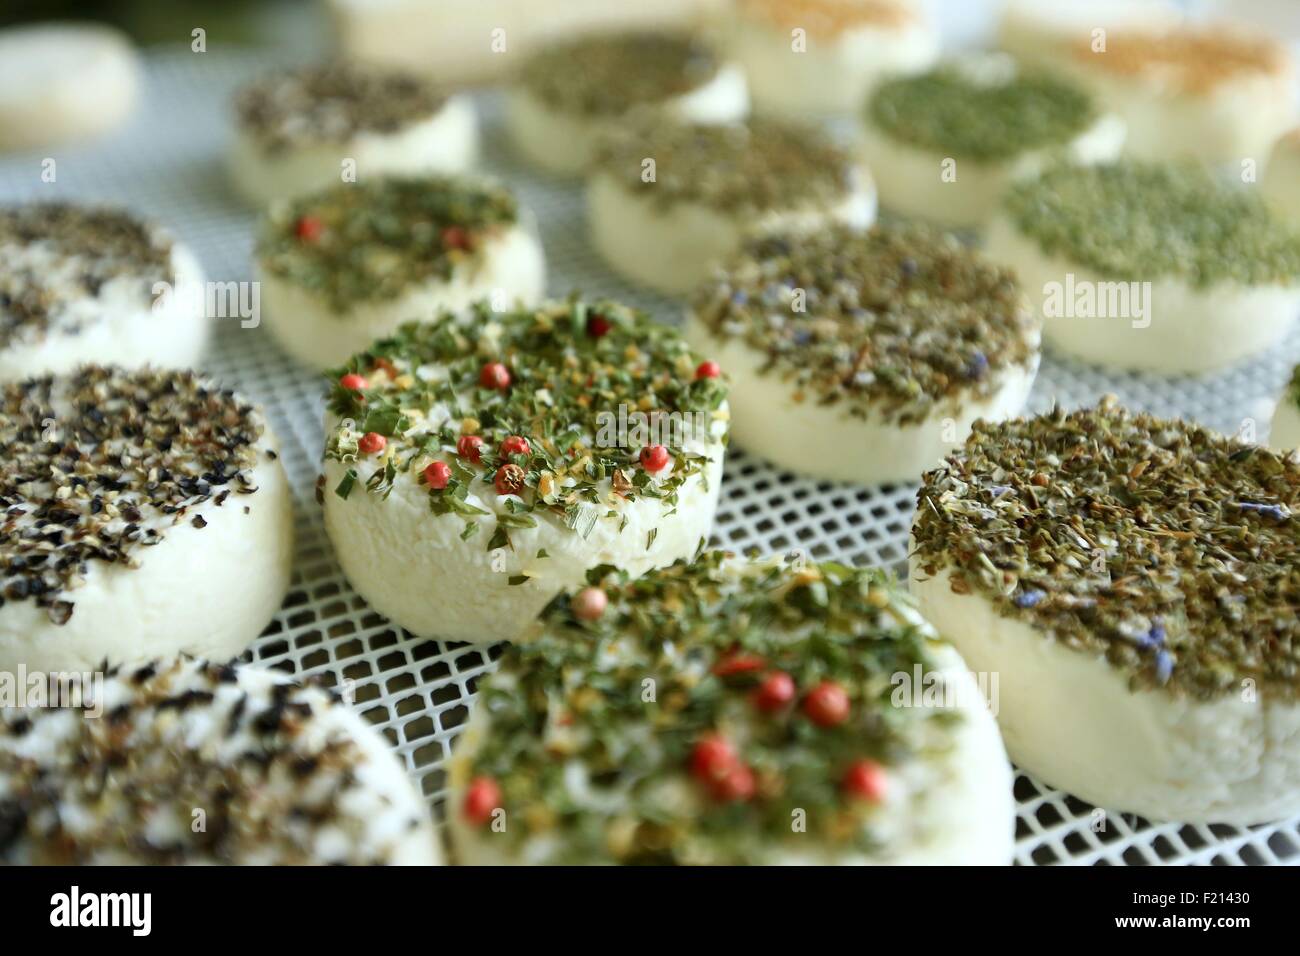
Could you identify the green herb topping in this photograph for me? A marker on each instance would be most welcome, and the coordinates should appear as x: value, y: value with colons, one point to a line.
x: 54, y: 256
x: 888, y: 324
x: 703, y: 708
x: 99, y: 464
x: 609, y: 75
x: 374, y: 240
x: 749, y: 167
x: 952, y: 113
x: 562, y: 378
x: 1169, y: 549
x: 1139, y: 221
x: 333, y: 103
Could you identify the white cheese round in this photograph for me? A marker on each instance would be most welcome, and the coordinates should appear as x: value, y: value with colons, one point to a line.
x: 1280, y: 184
x: 822, y: 57
x: 608, y: 772
x: 182, y: 761
x: 656, y: 235
x: 1124, y: 678
x: 202, y: 579
x: 671, y: 74
x: 64, y: 81
x: 70, y: 293
x: 795, y: 408
x: 434, y: 574
x: 1284, y: 434
x: 506, y: 265
x: 1184, y: 328
x: 445, y: 142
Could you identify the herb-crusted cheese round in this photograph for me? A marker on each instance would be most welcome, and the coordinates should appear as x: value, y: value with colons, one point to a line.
x: 350, y: 264
x: 1134, y: 580
x: 477, y: 465
x: 847, y: 351
x: 80, y: 284
x: 570, y: 95
x: 945, y: 144
x: 136, y: 507
x: 731, y: 712
x: 667, y: 200
x: 1150, y: 266
x: 281, y: 774
x: 298, y: 130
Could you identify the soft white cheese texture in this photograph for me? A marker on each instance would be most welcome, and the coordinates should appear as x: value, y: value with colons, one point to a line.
x: 824, y: 441
x: 510, y: 269
x: 1070, y: 718
x: 446, y: 142
x: 1182, y: 328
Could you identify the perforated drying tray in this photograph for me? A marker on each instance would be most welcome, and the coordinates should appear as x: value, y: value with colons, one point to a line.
x: 167, y: 164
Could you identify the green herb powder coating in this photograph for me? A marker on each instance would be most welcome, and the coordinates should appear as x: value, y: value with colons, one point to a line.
x: 948, y: 113
x: 706, y: 633
x: 1141, y: 222
x: 894, y: 323
x: 752, y: 167
x: 424, y: 393
x: 609, y: 75
x: 1171, y: 550
x: 382, y: 236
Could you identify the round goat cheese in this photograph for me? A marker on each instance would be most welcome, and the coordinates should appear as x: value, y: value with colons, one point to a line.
x: 477, y: 465
x: 864, y: 357
x: 731, y: 712
x: 87, y: 284
x: 1133, y: 582
x: 145, y: 514
x: 569, y: 95
x: 301, y: 130
x: 348, y: 265
x: 182, y: 761
x: 667, y: 201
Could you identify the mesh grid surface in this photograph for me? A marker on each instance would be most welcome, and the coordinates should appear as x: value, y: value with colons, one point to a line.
x: 167, y: 163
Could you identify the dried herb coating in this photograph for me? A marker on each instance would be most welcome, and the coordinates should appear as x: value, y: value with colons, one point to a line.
x: 746, y: 168
x: 893, y: 324
x: 1142, y: 222
x: 425, y: 392
x: 1172, y: 551
x: 54, y: 255
x: 333, y: 103
x: 571, y: 703
x: 610, y: 75
x: 381, y: 237
x: 100, y: 463
x: 951, y: 114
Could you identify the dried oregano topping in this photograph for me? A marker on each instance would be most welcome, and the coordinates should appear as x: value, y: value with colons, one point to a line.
x: 981, y: 112
x: 54, y: 255
x: 332, y: 103
x: 374, y: 240
x: 175, y: 737
x: 523, y: 409
x: 890, y: 324
x: 1170, y: 549
x: 1142, y: 221
x: 606, y: 75
x: 688, y: 715
x: 743, y: 167
x: 100, y: 463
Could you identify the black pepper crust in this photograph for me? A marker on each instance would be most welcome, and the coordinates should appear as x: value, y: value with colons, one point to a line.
x: 100, y: 463
x: 333, y: 102
x: 264, y: 787
x: 104, y: 244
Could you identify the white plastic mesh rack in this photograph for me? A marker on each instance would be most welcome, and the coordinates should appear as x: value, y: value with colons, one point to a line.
x: 168, y: 164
